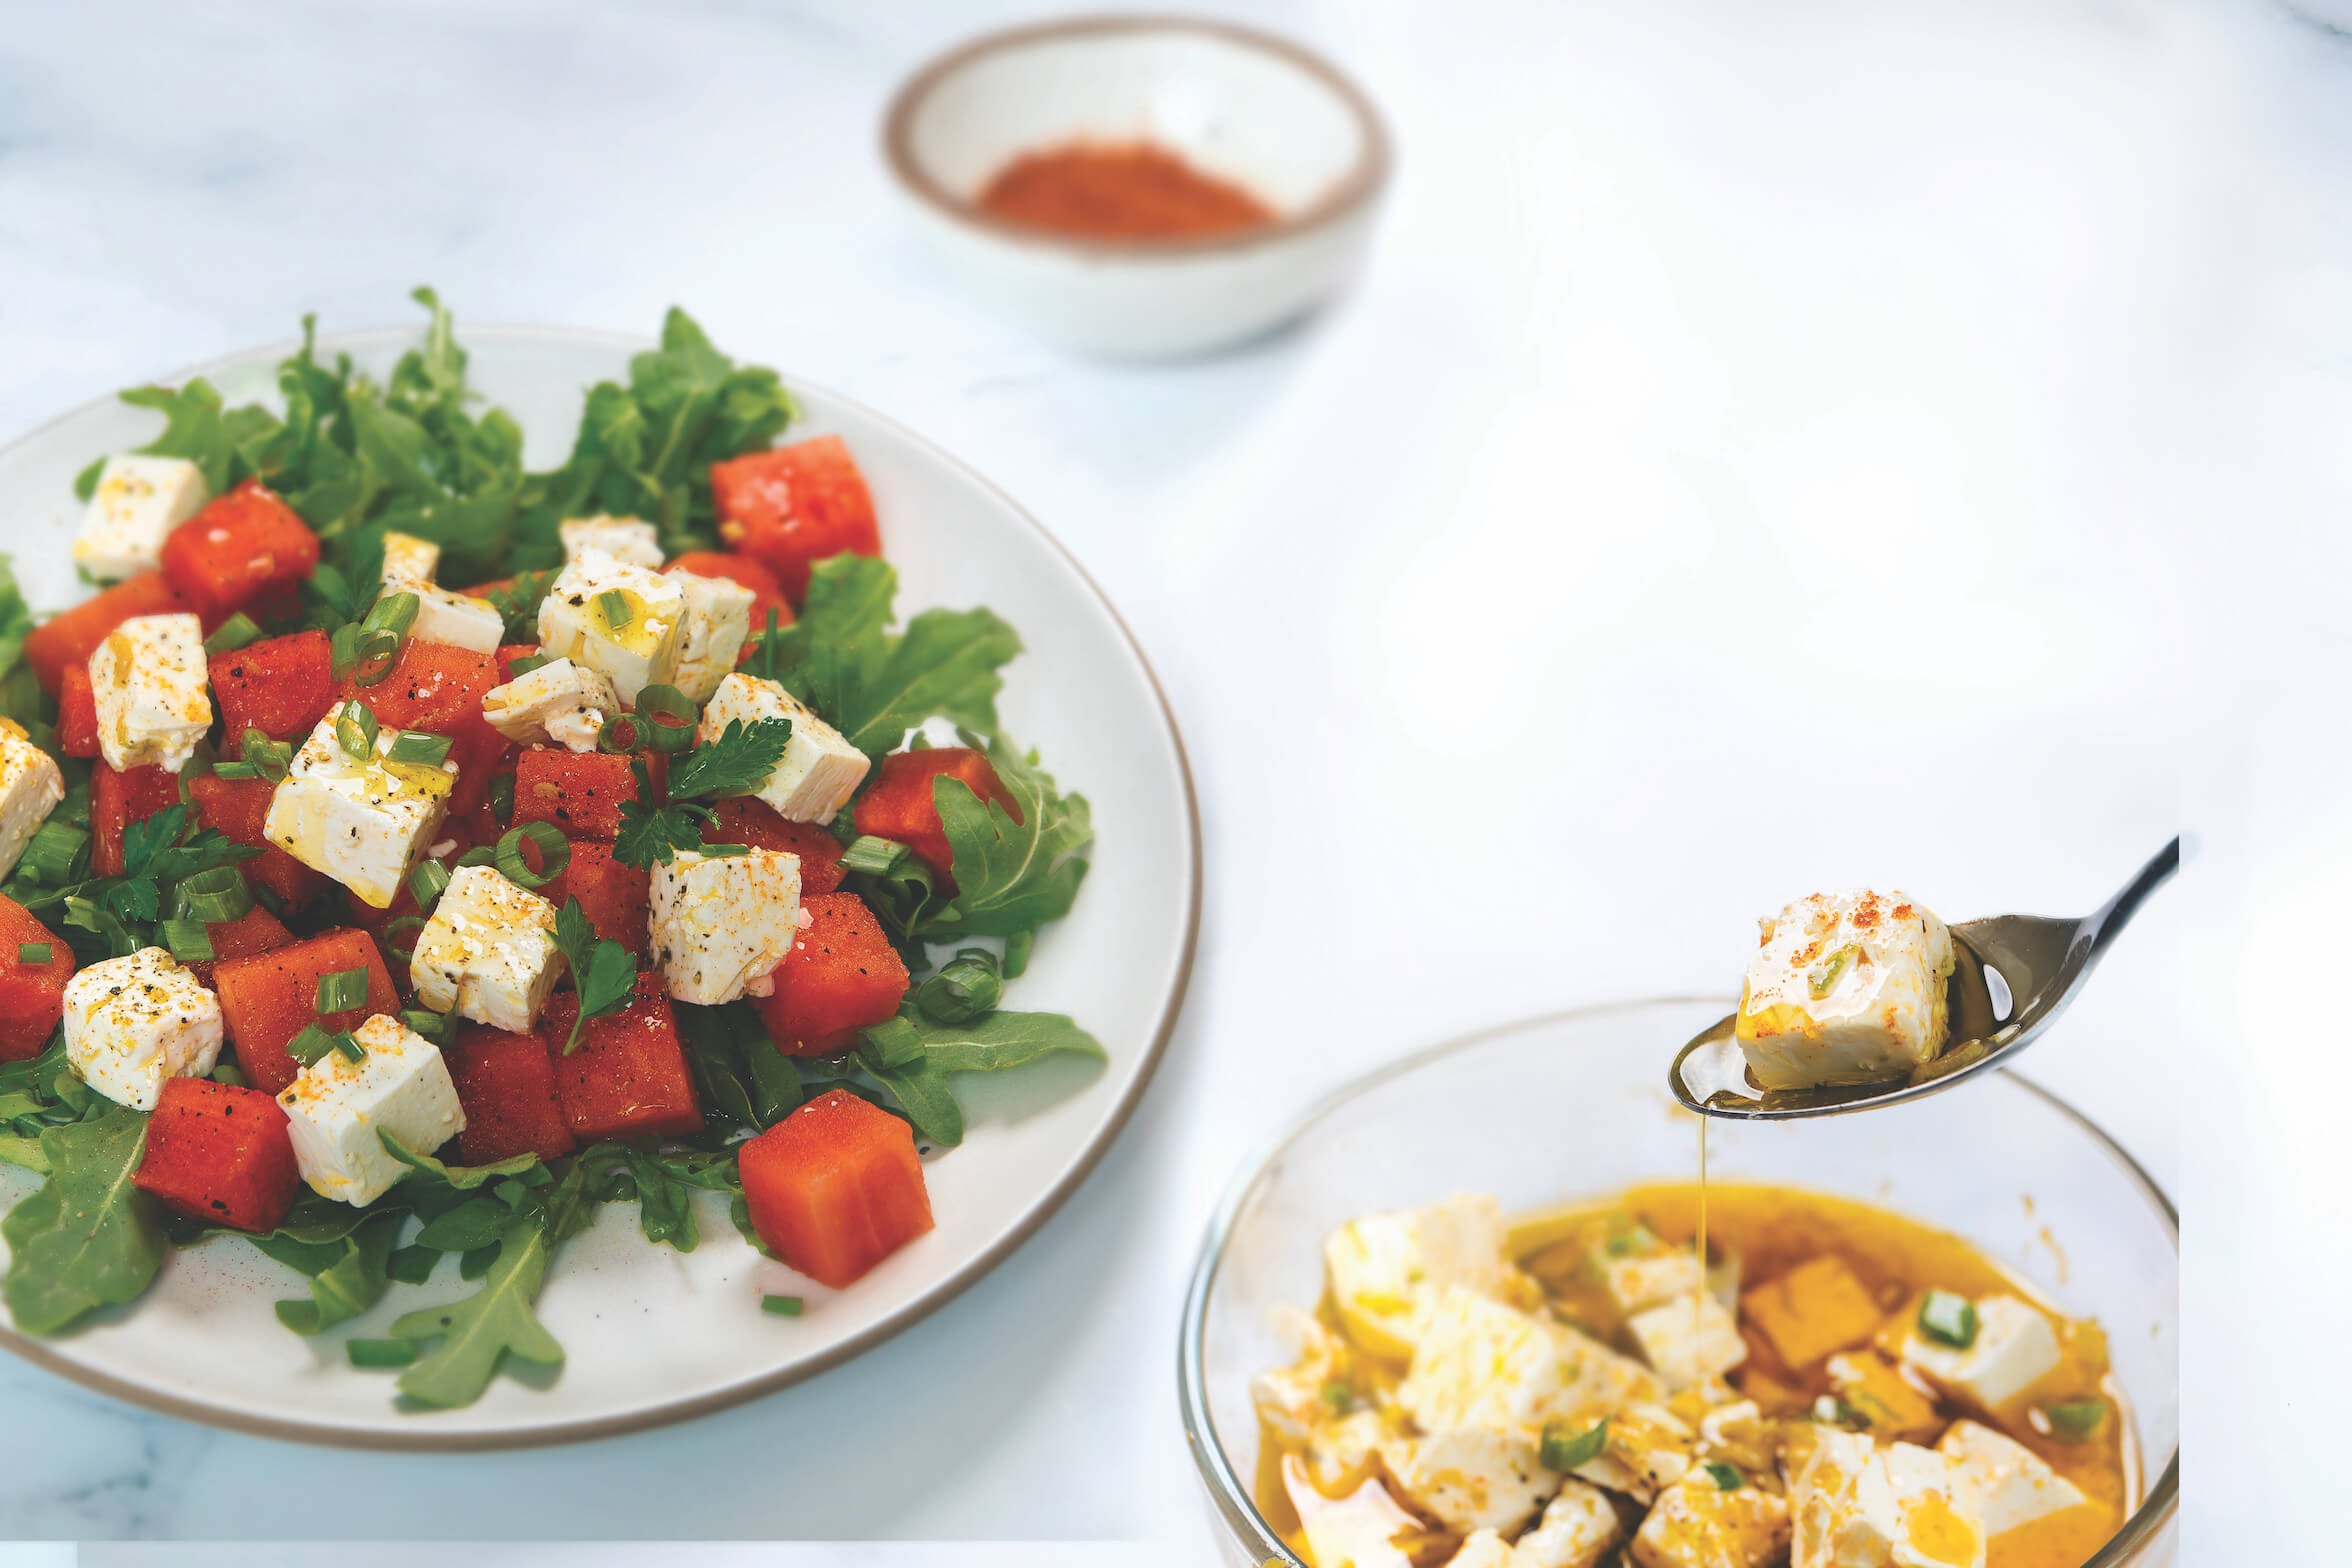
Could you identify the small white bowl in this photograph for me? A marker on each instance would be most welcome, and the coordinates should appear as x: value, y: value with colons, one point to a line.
x: 1235, y: 103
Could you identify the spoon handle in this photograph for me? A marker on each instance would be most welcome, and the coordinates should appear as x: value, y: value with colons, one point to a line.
x: 2117, y: 912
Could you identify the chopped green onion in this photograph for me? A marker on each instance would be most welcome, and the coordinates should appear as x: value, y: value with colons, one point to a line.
x: 54, y: 848
x: 235, y: 770
x: 895, y: 1042
x: 427, y: 883
x: 723, y: 851
x: 479, y: 855
x: 312, y: 1044
x: 502, y: 794
x: 613, y: 604
x: 416, y: 746
x: 35, y: 952
x: 433, y: 1026
x: 235, y: 632
x: 394, y: 613
x: 620, y: 733
x: 967, y: 987
x: 669, y: 717
x: 873, y: 856
x: 226, y: 1072
x: 355, y: 730
x: 781, y: 1306
x: 215, y: 895
x: 399, y: 931
x: 1338, y: 1397
x: 1563, y: 1448
x: 768, y: 660
x: 363, y: 653
x: 554, y: 854
x: 343, y: 990
x: 2076, y: 1419
x: 1725, y: 1477
x: 380, y: 1353
x: 188, y: 940
x: 526, y: 664
x: 1948, y: 1319
x: 1635, y: 1239
x: 268, y: 758
x: 352, y: 1050
x: 1825, y: 979
x: 1016, y: 954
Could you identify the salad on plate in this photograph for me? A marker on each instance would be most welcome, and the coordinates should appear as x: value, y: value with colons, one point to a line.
x: 407, y: 853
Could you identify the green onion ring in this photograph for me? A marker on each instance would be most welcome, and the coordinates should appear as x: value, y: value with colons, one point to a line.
x: 555, y: 853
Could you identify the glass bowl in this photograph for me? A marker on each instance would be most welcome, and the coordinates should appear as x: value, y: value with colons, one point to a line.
x: 1575, y: 1106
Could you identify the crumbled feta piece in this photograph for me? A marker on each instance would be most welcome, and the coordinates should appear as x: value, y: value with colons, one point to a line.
x: 132, y: 1022
x: 31, y: 786
x: 489, y: 951
x: 623, y: 538
x: 409, y: 561
x: 1577, y: 1529
x: 138, y: 502
x: 1289, y: 1399
x: 363, y: 822
x: 633, y: 638
x: 1359, y: 1530
x: 1697, y: 1524
x: 1645, y: 1450
x: 2007, y: 1482
x: 1688, y: 1341
x: 722, y: 923
x: 1480, y: 1362
x: 1855, y: 1503
x: 819, y: 770
x: 1343, y: 1453
x: 1385, y: 1270
x: 2014, y: 1348
x: 338, y: 1108
x: 1643, y: 1280
x: 718, y: 619
x: 1846, y: 988
x: 1482, y: 1550
x: 458, y: 619
x: 559, y: 702
x: 151, y: 684
x: 1479, y: 1477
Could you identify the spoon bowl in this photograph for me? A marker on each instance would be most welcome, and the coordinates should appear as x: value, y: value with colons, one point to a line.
x: 2011, y: 976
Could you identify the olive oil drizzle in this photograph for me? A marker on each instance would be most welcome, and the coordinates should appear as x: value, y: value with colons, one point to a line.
x: 1700, y: 1241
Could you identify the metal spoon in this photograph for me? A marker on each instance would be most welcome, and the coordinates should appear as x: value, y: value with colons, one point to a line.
x: 2012, y: 975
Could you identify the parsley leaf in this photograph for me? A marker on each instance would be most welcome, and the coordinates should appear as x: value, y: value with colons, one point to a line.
x: 603, y: 972
x: 735, y: 762
x: 1011, y: 876
x: 842, y: 660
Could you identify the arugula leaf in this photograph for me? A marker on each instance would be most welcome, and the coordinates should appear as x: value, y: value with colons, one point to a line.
x: 518, y: 602
x: 88, y: 1238
x: 998, y: 1042
x: 20, y: 691
x: 354, y: 1282
x: 872, y: 686
x: 480, y: 1331
x: 1011, y: 876
x: 603, y: 971
x: 463, y: 1178
x: 743, y: 1078
x: 919, y: 1090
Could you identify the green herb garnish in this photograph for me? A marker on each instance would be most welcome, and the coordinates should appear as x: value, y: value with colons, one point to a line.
x: 1948, y: 1319
x: 603, y: 971
x: 1563, y: 1449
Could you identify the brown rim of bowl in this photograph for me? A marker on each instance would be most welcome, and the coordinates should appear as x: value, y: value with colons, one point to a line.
x: 424, y: 1440
x: 1232, y: 1499
x: 1359, y: 186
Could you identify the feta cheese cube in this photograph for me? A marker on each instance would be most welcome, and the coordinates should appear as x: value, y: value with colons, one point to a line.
x: 1688, y: 1341
x: 559, y: 702
x: 1343, y: 1453
x: 632, y: 638
x: 1638, y: 1282
x: 408, y: 560
x: 1482, y: 1363
x: 489, y: 951
x: 819, y: 770
x: 363, y: 822
x: 1471, y: 1477
x: 132, y: 1022
x: 153, y: 692
x: 1645, y: 1450
x: 1359, y: 1530
x: 1846, y: 988
x: 1697, y: 1524
x: 718, y: 619
x: 458, y: 619
x: 722, y: 923
x: 1385, y: 1270
x: 338, y: 1107
x: 139, y: 500
x: 623, y: 538
x: 2007, y: 1483
x: 1485, y: 1549
x: 1855, y: 1503
x: 31, y: 786
x: 1577, y: 1529
x: 2014, y: 1348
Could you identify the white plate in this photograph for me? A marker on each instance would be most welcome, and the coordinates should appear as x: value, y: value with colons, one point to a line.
x: 651, y: 1335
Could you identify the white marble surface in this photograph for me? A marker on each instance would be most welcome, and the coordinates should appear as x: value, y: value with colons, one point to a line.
x: 1774, y: 446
